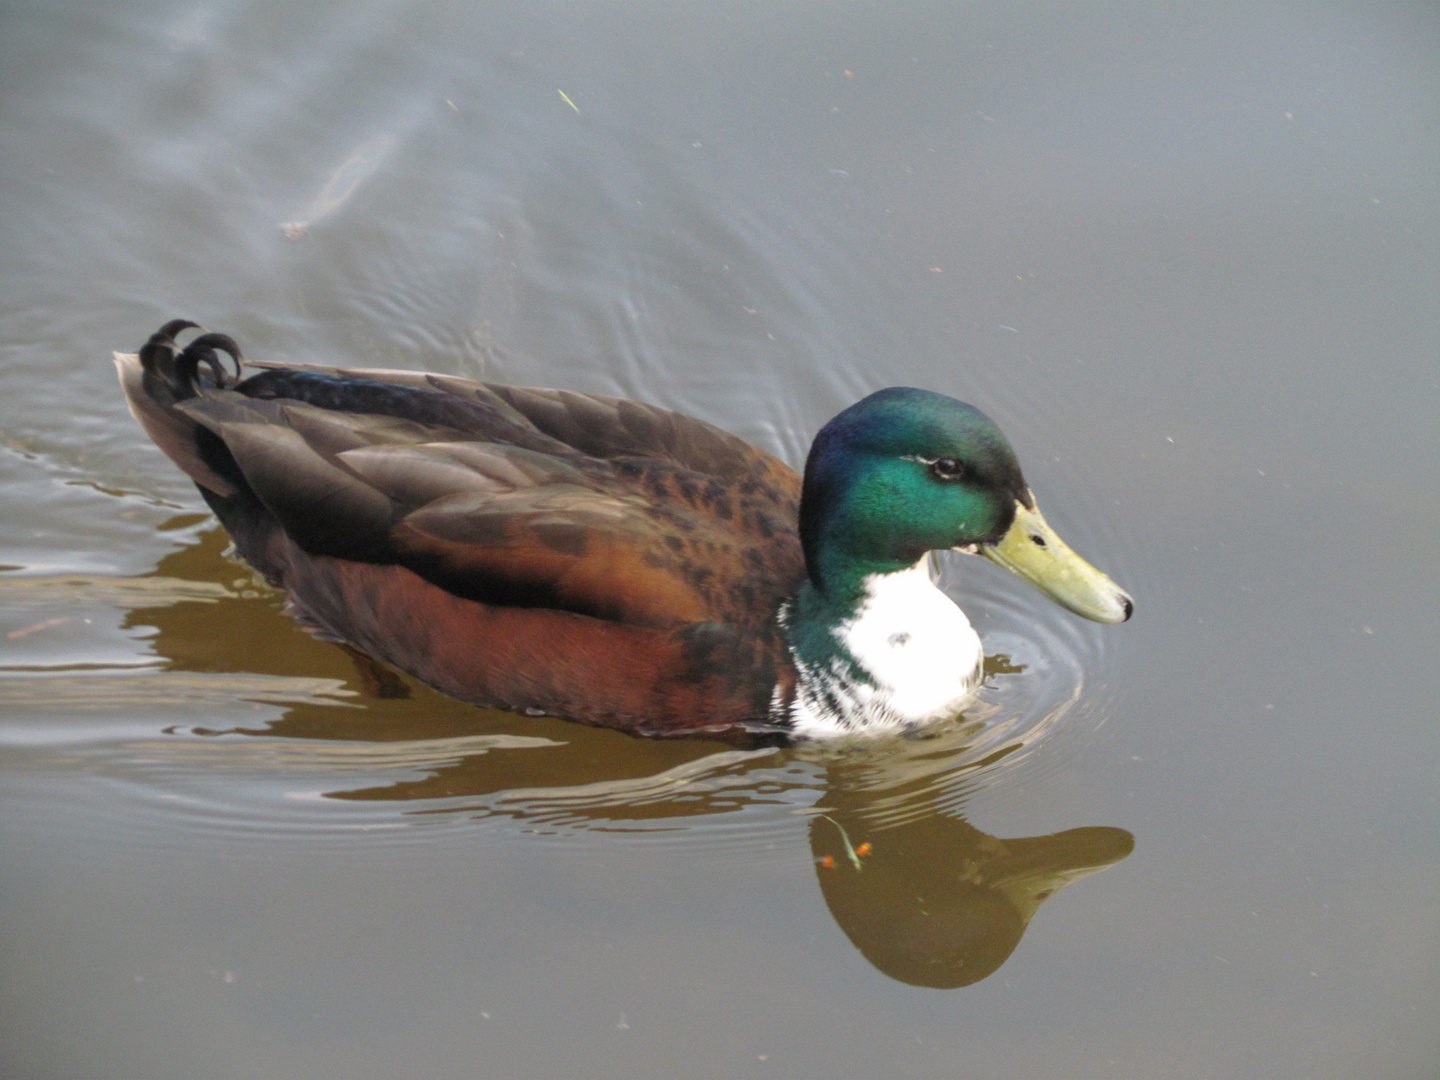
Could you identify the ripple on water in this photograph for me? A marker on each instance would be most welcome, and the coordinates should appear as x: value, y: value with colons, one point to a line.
x: 255, y: 756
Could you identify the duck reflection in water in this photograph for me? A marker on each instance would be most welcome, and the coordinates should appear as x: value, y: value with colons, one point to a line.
x: 929, y: 899
x: 926, y: 897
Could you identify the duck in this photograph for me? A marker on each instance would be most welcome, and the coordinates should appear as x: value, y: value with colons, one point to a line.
x: 610, y: 562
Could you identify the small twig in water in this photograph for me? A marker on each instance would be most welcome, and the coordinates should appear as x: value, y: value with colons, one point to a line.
x: 849, y: 848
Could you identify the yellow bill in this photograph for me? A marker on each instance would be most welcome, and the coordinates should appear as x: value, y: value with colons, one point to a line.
x: 1034, y: 551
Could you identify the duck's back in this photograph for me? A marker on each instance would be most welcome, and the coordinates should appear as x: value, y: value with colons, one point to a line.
x: 569, y: 553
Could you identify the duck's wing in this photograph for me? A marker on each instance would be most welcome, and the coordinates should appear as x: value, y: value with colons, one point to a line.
x: 519, y: 498
x: 596, y: 425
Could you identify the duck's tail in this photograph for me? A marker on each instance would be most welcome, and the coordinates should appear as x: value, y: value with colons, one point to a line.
x: 160, y: 376
x: 165, y: 363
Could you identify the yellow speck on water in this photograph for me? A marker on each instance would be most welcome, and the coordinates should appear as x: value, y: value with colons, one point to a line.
x: 568, y: 101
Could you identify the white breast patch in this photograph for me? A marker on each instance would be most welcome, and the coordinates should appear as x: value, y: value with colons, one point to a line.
x: 918, y: 648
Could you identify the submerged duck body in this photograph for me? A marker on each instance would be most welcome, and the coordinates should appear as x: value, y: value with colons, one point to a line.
x: 604, y: 560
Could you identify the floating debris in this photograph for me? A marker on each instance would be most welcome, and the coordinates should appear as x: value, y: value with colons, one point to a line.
x: 35, y: 628
x: 851, y: 851
x: 354, y: 171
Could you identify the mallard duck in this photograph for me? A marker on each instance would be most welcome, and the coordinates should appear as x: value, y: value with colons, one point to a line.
x: 607, y: 561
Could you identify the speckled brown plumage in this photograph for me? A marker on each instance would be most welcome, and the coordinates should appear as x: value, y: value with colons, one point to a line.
x: 575, y: 554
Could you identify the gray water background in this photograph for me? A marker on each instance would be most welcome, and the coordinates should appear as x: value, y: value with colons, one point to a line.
x: 1187, y: 255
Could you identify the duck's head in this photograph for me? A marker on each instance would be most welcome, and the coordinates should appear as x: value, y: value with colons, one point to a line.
x: 908, y: 471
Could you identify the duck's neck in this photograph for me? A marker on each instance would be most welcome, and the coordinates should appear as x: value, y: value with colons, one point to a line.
x: 877, y: 651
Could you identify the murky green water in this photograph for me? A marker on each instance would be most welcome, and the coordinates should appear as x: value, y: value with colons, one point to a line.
x: 1186, y: 256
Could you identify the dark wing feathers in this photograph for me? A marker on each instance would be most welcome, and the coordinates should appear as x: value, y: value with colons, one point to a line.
x: 609, y: 427
x: 564, y: 548
x: 334, y: 433
x: 417, y: 475
x: 594, y: 424
x: 324, y: 507
x: 514, y: 496
x: 433, y: 405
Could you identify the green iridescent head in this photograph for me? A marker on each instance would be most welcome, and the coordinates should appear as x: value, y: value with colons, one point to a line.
x: 907, y: 471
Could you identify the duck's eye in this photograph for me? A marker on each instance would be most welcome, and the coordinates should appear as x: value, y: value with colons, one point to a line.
x: 947, y: 468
